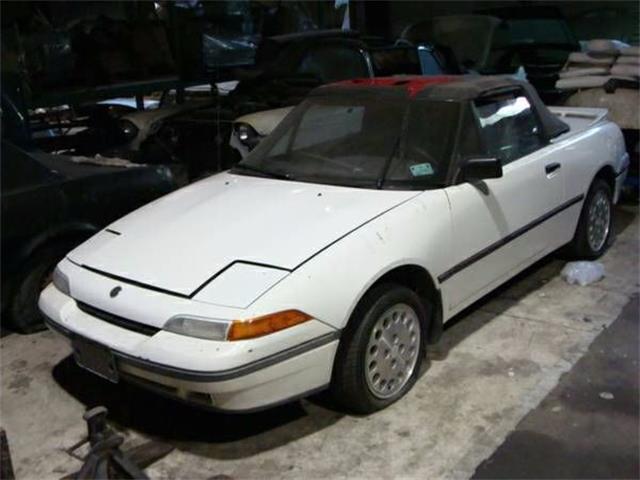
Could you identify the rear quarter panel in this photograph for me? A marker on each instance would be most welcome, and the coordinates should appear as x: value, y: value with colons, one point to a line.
x: 585, y: 153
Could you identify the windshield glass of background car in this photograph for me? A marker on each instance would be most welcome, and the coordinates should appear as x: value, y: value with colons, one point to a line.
x: 468, y: 37
x: 338, y: 140
x: 396, y: 60
x: 539, y: 30
x: 331, y: 63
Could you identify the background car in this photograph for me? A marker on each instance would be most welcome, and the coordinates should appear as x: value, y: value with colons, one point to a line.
x: 196, y: 132
x: 501, y: 40
x: 294, y: 64
x: 50, y: 204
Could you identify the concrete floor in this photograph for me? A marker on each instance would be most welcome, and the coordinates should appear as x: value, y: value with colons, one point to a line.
x: 587, y: 427
x: 495, y: 363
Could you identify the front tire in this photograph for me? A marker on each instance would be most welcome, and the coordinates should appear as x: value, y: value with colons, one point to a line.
x: 24, y: 312
x: 381, y: 350
x: 595, y: 225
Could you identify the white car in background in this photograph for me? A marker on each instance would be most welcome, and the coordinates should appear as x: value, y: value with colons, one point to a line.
x: 136, y: 127
x: 335, y: 252
x: 249, y: 130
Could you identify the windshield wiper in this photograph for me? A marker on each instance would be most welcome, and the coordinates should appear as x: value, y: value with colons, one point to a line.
x: 260, y: 171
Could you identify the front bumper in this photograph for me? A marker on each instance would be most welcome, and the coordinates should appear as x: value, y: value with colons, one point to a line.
x: 263, y: 381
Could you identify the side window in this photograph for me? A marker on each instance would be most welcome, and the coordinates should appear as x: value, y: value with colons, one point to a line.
x: 508, y: 126
x: 333, y: 63
x: 429, y: 62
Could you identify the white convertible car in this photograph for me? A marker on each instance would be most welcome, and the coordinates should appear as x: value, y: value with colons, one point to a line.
x: 334, y: 253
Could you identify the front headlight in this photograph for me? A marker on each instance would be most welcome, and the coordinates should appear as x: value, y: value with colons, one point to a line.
x: 247, y: 135
x: 128, y: 129
x: 211, y: 329
x: 208, y: 329
x: 61, y: 281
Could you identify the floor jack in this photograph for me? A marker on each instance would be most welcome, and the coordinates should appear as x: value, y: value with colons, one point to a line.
x: 105, y: 460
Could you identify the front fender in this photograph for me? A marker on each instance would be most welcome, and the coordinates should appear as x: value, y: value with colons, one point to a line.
x: 329, y: 285
x: 79, y: 230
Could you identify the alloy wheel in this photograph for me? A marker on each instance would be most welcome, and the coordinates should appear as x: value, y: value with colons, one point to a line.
x: 599, y: 221
x: 392, y: 350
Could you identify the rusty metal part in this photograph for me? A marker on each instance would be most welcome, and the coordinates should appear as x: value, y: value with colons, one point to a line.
x: 105, y: 459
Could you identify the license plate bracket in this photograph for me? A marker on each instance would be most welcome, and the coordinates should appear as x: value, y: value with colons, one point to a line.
x: 96, y: 358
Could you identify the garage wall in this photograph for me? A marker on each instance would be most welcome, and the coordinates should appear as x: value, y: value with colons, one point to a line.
x: 588, y: 19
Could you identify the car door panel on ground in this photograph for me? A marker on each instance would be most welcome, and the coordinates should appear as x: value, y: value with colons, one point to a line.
x: 498, y: 224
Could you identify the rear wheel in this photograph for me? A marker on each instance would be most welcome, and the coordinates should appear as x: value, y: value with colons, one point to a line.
x: 593, y: 233
x: 381, y: 350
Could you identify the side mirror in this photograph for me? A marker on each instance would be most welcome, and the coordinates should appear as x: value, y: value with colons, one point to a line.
x: 481, y: 169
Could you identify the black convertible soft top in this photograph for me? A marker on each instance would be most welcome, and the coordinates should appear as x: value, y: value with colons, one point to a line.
x: 458, y: 88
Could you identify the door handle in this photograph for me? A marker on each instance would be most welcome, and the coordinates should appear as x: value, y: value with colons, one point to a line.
x: 552, y: 167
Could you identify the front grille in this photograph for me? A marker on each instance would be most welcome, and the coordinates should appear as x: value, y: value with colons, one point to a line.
x: 117, y: 320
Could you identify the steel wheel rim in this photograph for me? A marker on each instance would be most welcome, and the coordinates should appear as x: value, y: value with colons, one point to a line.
x: 599, y: 221
x: 392, y: 350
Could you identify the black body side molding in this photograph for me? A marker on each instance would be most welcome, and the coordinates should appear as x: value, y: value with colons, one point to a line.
x: 509, y: 238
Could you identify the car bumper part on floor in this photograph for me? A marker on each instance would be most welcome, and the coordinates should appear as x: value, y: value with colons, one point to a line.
x: 113, y: 352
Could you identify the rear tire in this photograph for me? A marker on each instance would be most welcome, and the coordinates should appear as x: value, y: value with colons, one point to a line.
x: 381, y: 350
x: 593, y: 233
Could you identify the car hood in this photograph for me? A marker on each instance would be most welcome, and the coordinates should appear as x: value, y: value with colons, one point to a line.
x: 144, y: 119
x: 182, y: 240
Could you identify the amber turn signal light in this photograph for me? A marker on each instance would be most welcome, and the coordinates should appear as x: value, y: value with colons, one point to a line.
x: 260, y: 326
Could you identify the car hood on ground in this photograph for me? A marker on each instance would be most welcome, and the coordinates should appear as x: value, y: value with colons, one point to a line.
x: 180, y: 241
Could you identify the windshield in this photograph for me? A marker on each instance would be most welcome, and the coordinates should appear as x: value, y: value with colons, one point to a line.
x: 467, y: 37
x: 397, y: 60
x: 370, y: 142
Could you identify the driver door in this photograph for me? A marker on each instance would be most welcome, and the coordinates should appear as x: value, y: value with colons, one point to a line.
x: 499, y: 224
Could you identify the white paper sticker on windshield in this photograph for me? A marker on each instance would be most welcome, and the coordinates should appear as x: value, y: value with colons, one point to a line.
x: 421, y: 169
